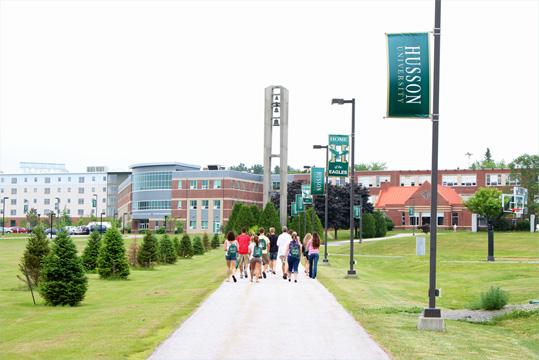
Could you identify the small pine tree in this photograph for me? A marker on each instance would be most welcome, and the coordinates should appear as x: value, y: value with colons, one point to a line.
x: 215, y: 241
x: 37, y: 248
x: 255, y: 212
x: 176, y: 243
x: 63, y: 281
x: 244, y: 220
x: 186, y: 247
x: 91, y: 251
x: 149, y: 251
x: 206, y: 242
x: 112, y: 262
x: 167, y: 251
x: 369, y: 226
x: 198, y: 248
x: 132, y: 253
x: 231, y: 223
x: 381, y: 227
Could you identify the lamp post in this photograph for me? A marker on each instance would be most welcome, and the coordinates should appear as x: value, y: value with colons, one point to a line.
x: 95, y: 204
x: 101, y: 222
x: 325, y: 260
x: 351, y: 272
x: 166, y: 216
x: 57, y: 206
x: 51, y: 214
x: 4, y: 214
x: 123, y: 221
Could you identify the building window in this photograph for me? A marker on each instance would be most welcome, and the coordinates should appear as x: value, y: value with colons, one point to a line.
x: 35, y: 201
x: 494, y: 179
x: 68, y: 189
x: 69, y: 201
x: 104, y: 178
x: 365, y: 181
x: 81, y: 190
x: 205, y: 204
x: 104, y: 200
x: 192, y: 184
x: 68, y: 211
x: 46, y: 201
x: 511, y: 181
x: 59, y: 179
x: 276, y: 185
x: 35, y: 179
x: 14, y: 191
x: 152, y: 205
x: 47, y: 180
x: 193, y: 205
x: 414, y: 220
x: 14, y: 180
x: 13, y: 201
x: 25, y: 190
x: 69, y: 178
x: 93, y: 189
x: 216, y: 226
x: 454, y: 218
x: 180, y: 185
x: 403, y: 218
x: 192, y: 224
x: 449, y: 180
x: 440, y: 220
x: 152, y: 181
x: 93, y: 178
x: 179, y: 204
x: 25, y: 179
x: 81, y: 179
x: 59, y: 190
x: 216, y: 184
x: 47, y: 191
x: 13, y: 212
x: 205, y: 184
x: 204, y: 225
x: 35, y: 190
x: 468, y: 180
x: 217, y: 204
x: 81, y: 201
x: 80, y: 212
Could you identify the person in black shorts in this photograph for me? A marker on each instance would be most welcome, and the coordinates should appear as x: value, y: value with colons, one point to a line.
x: 273, y: 249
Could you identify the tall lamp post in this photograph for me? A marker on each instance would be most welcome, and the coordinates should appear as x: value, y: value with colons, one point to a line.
x: 51, y: 214
x: 123, y: 222
x: 95, y: 204
x: 57, y: 208
x: 4, y: 214
x: 351, y: 272
x: 101, y: 222
x: 325, y: 260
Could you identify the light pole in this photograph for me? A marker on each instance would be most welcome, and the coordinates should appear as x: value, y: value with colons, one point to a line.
x: 4, y: 214
x: 95, y: 204
x: 101, y: 223
x: 325, y: 260
x: 351, y: 272
x: 166, y: 216
x: 51, y: 215
x: 57, y: 207
x: 123, y: 218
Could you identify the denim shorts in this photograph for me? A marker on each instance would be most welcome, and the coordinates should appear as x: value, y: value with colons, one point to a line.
x: 230, y: 258
x: 293, y: 263
x: 273, y: 255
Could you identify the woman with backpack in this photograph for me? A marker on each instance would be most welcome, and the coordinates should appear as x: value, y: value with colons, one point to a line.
x: 273, y: 249
x: 314, y: 253
x: 305, y: 252
x: 293, y: 253
x: 255, y: 258
x: 231, y: 252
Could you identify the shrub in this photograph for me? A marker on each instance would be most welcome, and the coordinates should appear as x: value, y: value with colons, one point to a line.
x: 176, y: 243
x: 167, y: 251
x: 198, y: 248
x: 63, y: 281
x: 389, y: 224
x: 502, y: 225
x: 380, y: 224
x: 112, y: 262
x: 132, y: 253
x: 523, y: 225
x: 179, y: 228
x: 425, y: 228
x: 494, y: 299
x: 160, y: 231
x: 215, y: 243
x: 149, y: 252
x: 91, y: 251
x: 37, y: 248
x: 369, y: 226
x: 206, y: 242
x: 186, y: 247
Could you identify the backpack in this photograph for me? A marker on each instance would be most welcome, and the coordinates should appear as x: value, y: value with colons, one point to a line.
x: 257, y: 251
x: 232, y: 250
x: 294, y: 249
x: 262, y: 244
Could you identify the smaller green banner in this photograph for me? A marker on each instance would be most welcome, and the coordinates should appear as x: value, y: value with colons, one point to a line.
x: 317, y: 181
x: 294, y: 209
x: 338, y: 169
x: 299, y: 203
x: 94, y: 202
x: 357, y: 212
x: 306, y: 194
x: 411, y: 211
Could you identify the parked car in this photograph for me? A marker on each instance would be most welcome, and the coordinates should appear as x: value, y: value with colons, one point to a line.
x: 82, y: 230
x: 5, y: 230
x: 99, y: 228
x: 48, y: 231
x: 71, y: 230
x: 18, y: 230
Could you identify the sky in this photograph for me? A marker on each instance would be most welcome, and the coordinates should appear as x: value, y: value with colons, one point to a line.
x: 117, y: 83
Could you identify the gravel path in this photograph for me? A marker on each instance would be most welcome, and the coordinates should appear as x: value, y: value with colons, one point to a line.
x: 484, y: 315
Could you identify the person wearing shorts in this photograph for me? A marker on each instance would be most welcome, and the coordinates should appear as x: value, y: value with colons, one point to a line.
x: 273, y: 249
x: 231, y: 252
x: 282, y: 242
x: 293, y: 253
x: 264, y: 244
x: 243, y: 241
x: 255, y: 258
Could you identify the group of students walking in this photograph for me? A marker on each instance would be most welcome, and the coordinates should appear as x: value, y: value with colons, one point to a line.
x: 259, y: 253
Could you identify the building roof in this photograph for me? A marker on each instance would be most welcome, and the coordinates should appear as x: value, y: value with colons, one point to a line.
x: 399, y: 195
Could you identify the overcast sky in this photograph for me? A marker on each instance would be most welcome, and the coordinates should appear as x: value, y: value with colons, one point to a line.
x: 120, y: 82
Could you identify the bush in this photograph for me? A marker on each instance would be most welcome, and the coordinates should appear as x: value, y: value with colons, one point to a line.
x: 369, y: 226
x: 176, y: 243
x: 523, y: 225
x: 198, y: 248
x: 161, y: 231
x: 186, y: 247
x: 91, y: 252
x: 112, y: 262
x: 502, y: 225
x: 494, y: 299
x: 149, y: 251
x: 425, y: 228
x: 132, y: 253
x: 215, y: 243
x: 167, y: 251
x: 380, y: 224
x: 37, y: 248
x: 179, y: 228
x: 206, y: 242
x: 63, y: 281
x: 389, y: 224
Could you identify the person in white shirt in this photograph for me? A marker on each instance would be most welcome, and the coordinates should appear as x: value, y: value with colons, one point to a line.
x: 282, y: 242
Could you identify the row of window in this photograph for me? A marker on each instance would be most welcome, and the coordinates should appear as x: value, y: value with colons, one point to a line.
x: 152, y: 205
x: 217, y: 184
x: 414, y: 220
x: 47, y: 190
x: 204, y: 225
x: 80, y: 212
x: 204, y: 204
x: 47, y: 201
x: 461, y: 180
x: 152, y: 181
x: 48, y: 179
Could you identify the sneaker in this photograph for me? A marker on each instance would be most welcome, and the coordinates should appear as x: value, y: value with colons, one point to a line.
x: 284, y: 276
x: 289, y: 280
x: 295, y: 281
x: 246, y: 274
x: 274, y: 273
x: 264, y: 275
x: 234, y: 278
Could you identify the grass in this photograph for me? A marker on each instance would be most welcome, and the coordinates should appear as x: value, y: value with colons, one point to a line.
x: 391, y: 291
x: 117, y: 319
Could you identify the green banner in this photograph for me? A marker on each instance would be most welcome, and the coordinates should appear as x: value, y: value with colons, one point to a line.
x: 408, y: 93
x: 293, y: 209
x: 306, y: 194
x: 357, y: 212
x: 411, y: 211
x: 299, y: 203
x: 339, y: 151
x: 317, y: 181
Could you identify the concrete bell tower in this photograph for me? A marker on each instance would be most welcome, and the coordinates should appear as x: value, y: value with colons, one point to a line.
x: 276, y: 116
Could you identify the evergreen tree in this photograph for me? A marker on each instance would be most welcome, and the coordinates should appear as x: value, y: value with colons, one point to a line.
x: 176, y: 243
x: 270, y: 218
x: 149, y: 251
x: 32, y: 218
x: 37, y: 248
x: 112, y: 261
x: 380, y: 224
x: 132, y: 253
x: 186, y: 247
x: 167, y: 251
x: 255, y: 212
x: 231, y: 223
x: 369, y: 226
x: 91, y: 251
x: 63, y: 281
x: 215, y: 241
x: 245, y: 219
x: 206, y: 242
x: 198, y: 248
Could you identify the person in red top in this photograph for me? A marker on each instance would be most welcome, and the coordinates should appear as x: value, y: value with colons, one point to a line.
x: 243, y: 261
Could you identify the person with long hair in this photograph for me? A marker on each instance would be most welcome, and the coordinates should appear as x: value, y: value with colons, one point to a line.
x: 231, y: 253
x: 293, y: 254
x: 273, y: 249
x: 264, y: 244
x: 305, y: 243
x: 255, y: 258
x: 314, y: 254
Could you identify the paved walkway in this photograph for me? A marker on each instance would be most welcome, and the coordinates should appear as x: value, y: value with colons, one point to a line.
x: 273, y: 319
x: 347, y: 242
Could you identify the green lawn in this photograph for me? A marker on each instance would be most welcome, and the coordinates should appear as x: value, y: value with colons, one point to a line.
x: 392, y: 286
x: 117, y: 319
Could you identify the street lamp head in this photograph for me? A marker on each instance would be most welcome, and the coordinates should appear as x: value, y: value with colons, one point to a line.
x: 337, y: 101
